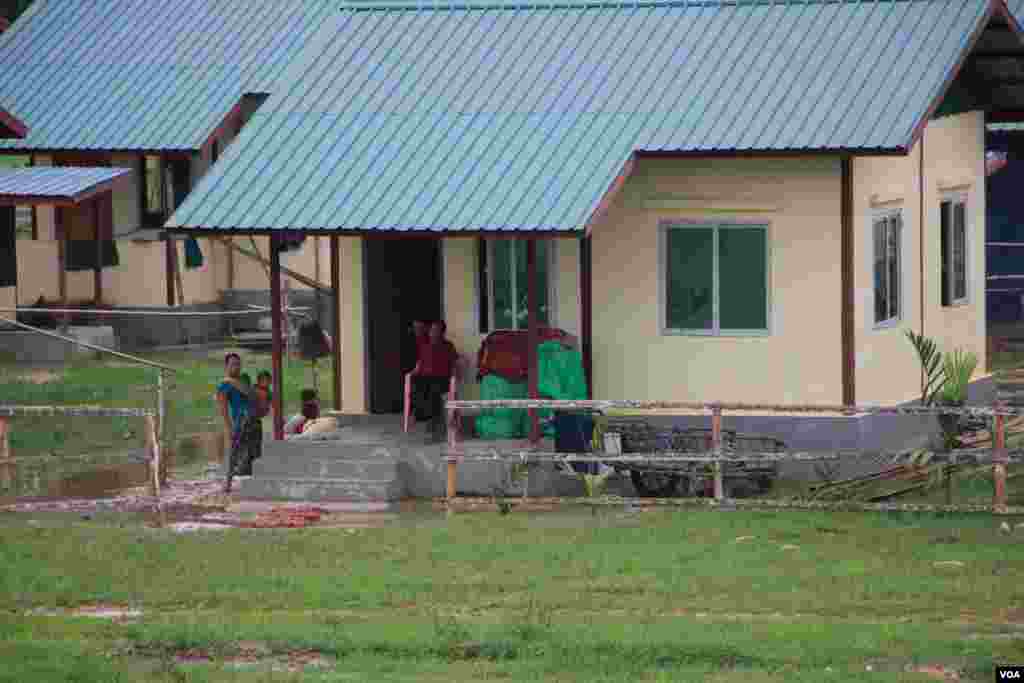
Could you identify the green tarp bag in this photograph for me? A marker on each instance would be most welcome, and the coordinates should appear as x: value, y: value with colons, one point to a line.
x: 559, y: 377
x: 501, y: 423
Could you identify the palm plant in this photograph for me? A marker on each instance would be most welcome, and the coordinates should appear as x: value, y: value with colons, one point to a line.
x: 931, y: 362
x: 944, y: 382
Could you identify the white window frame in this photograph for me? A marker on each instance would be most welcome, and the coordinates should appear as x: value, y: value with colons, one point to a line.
x: 488, y: 244
x: 955, y: 198
x: 885, y: 214
x: 716, y: 328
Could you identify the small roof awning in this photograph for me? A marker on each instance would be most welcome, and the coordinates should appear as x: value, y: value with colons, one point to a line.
x: 10, y: 126
x: 56, y: 185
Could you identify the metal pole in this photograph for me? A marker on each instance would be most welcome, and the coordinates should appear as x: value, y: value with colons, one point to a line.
x: 531, y: 334
x: 336, y: 321
x: 276, y: 334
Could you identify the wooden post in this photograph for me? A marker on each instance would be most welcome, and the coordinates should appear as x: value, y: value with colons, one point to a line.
x: 586, y: 313
x: 229, y: 244
x: 531, y: 334
x: 450, y: 488
x: 716, y: 444
x: 947, y: 471
x: 177, y: 273
x: 153, y: 448
x: 999, y: 462
x: 97, y: 271
x: 5, y: 443
x: 169, y: 267
x: 62, y: 264
x: 336, y: 320
x: 277, y: 329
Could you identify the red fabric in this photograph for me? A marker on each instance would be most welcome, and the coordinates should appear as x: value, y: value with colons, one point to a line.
x: 261, y: 406
x: 422, y: 341
x: 438, y: 360
x: 504, y: 352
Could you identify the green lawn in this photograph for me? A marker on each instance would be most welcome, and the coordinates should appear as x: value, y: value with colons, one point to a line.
x: 663, y: 596
x: 191, y: 405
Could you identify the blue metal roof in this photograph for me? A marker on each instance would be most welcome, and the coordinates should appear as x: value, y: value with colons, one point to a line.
x: 143, y: 74
x: 502, y: 117
x: 43, y: 184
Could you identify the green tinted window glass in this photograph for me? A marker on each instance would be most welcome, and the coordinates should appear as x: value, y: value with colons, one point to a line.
x: 742, y: 269
x: 508, y: 272
x: 689, y: 278
x: 543, y: 251
x: 501, y: 278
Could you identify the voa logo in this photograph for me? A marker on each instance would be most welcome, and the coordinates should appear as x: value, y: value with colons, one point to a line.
x: 1009, y: 675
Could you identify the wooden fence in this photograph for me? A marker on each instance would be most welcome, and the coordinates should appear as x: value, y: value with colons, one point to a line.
x: 154, y: 428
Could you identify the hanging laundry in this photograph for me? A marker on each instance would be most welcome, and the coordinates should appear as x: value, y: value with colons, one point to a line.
x: 193, y: 254
x: 81, y: 255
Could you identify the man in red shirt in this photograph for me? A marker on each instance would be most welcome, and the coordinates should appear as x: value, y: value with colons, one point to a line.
x: 438, y: 363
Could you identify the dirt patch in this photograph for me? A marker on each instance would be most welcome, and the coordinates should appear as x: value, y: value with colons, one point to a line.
x: 119, y: 613
x: 257, y: 656
x: 174, y: 495
x: 39, y: 376
x: 937, y: 672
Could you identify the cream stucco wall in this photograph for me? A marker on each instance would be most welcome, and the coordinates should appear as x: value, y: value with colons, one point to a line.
x: 37, y: 271
x: 126, y: 199
x: 887, y: 367
x: 350, y: 313
x: 8, y: 299
x: 799, y: 359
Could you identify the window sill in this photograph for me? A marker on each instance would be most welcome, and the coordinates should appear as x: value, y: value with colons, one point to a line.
x: 717, y: 335
x: 893, y: 323
x: 963, y: 303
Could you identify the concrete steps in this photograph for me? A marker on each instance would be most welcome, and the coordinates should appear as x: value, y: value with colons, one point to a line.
x: 320, y: 490
x: 358, y: 469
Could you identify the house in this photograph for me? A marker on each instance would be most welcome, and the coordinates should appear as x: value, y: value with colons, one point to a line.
x: 737, y: 201
x: 160, y: 89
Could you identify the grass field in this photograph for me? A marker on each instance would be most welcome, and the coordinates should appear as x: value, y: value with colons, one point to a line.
x: 660, y: 596
x: 119, y: 384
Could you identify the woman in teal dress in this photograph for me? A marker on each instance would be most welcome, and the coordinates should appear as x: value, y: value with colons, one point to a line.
x: 241, y: 429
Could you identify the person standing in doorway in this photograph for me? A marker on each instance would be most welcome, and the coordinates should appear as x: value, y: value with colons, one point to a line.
x: 437, y: 365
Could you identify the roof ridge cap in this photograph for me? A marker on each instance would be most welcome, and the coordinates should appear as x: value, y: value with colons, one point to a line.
x: 468, y: 5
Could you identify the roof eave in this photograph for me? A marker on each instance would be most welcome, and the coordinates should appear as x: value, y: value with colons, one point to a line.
x: 22, y: 149
x: 995, y: 8
x: 100, y: 188
x: 525, y: 233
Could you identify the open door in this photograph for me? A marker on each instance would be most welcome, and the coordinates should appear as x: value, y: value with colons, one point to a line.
x: 403, y: 282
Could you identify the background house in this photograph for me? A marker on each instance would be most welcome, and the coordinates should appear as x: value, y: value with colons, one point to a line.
x: 162, y: 92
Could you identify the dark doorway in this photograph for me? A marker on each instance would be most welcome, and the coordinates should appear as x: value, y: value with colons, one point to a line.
x: 403, y: 282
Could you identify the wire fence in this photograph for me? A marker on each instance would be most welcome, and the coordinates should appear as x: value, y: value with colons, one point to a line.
x: 717, y: 459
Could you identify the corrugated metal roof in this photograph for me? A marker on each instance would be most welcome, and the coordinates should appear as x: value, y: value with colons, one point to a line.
x: 144, y: 74
x: 505, y: 117
x: 1016, y: 8
x: 57, y: 183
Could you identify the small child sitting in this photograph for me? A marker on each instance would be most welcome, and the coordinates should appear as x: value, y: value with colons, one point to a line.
x: 309, y: 420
